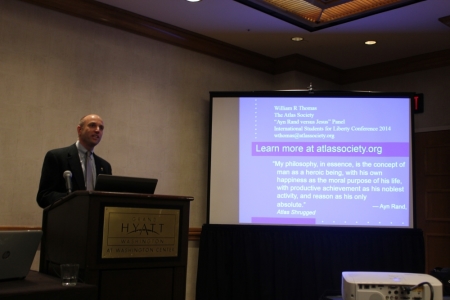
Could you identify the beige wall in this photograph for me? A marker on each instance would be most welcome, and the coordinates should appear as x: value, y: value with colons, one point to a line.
x: 153, y: 97
x: 434, y: 84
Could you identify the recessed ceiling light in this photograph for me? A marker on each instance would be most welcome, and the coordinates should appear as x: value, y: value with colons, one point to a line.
x: 194, y: 0
x: 297, y: 39
x: 370, y: 42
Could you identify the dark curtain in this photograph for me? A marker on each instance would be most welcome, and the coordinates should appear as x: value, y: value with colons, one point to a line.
x: 289, y: 262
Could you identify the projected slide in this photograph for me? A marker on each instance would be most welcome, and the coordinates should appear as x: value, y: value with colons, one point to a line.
x: 324, y: 161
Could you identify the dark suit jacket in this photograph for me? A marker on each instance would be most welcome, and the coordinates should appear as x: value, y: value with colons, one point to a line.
x: 52, y: 186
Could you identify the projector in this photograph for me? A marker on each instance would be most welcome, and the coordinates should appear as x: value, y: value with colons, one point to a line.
x: 390, y: 286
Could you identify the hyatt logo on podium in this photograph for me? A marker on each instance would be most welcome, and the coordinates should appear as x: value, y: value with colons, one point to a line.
x: 140, y: 232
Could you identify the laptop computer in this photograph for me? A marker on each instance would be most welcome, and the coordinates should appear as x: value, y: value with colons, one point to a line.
x: 124, y: 184
x: 17, y: 251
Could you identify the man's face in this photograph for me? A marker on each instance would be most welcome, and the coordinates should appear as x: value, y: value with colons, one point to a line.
x: 90, y: 131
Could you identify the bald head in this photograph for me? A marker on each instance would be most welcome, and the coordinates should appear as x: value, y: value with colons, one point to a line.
x: 90, y: 131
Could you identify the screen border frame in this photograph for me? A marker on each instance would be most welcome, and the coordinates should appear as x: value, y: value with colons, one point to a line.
x: 312, y: 93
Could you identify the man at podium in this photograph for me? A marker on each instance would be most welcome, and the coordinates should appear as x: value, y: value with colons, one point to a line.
x: 74, y: 167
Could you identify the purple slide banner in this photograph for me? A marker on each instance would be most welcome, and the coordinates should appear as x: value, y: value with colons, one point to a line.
x: 263, y: 220
x: 330, y: 149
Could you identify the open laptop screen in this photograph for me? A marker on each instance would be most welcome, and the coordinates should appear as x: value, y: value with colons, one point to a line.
x: 17, y: 251
x: 124, y: 184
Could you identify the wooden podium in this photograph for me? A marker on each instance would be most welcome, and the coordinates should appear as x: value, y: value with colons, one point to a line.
x: 129, y: 245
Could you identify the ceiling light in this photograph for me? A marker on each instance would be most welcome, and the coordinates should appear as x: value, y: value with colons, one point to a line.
x: 297, y: 39
x: 194, y: 0
x: 370, y: 42
x: 313, y: 15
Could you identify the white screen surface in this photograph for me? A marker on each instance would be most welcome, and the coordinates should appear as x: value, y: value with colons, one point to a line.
x: 315, y: 160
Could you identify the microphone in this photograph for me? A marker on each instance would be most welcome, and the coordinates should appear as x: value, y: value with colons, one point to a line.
x: 68, y: 177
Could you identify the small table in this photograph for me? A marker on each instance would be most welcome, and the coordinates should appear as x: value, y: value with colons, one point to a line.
x: 41, y: 286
